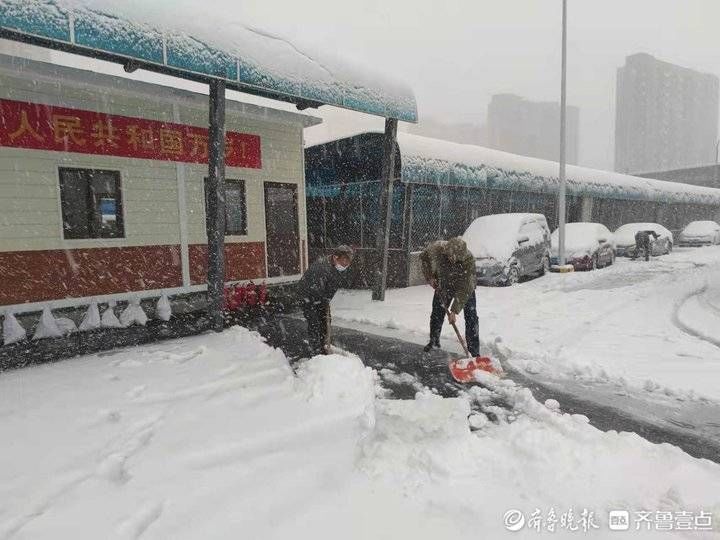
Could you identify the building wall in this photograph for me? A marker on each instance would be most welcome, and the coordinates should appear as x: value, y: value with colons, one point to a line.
x: 531, y: 128
x: 708, y: 176
x: 666, y: 116
x: 160, y: 250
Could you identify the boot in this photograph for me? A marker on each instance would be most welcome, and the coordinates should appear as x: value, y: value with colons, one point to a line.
x: 434, y: 342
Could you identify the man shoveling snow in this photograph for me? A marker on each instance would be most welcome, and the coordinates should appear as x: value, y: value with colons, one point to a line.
x: 449, y: 267
x: 316, y: 288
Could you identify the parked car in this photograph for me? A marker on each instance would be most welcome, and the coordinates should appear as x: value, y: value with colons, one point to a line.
x: 508, y: 246
x: 587, y: 246
x: 625, y: 239
x: 700, y: 233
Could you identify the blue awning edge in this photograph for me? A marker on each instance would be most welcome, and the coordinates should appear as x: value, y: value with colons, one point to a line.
x: 85, y: 30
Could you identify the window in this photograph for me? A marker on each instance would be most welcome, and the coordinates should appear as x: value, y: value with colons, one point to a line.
x: 91, y: 204
x: 235, y: 208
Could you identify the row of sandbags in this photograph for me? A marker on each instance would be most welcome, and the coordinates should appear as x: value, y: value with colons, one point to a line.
x: 51, y: 327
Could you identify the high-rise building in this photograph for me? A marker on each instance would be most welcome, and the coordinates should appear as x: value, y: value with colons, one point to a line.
x: 531, y: 128
x: 666, y: 116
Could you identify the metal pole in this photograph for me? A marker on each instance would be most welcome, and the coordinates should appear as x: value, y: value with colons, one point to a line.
x: 561, y: 197
x: 382, y: 239
x: 216, y: 205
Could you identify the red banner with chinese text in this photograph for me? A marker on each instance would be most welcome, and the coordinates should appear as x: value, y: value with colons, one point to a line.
x: 45, y: 127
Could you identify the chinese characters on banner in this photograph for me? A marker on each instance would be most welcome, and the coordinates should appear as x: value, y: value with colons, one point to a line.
x: 45, y: 127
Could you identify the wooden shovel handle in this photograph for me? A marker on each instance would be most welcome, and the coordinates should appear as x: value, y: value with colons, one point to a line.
x: 461, y: 339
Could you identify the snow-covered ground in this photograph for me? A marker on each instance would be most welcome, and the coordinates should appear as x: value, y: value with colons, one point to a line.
x: 649, y: 326
x: 214, y: 437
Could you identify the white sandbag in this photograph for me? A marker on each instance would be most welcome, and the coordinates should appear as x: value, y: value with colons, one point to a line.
x: 163, y: 308
x: 13, y: 331
x: 133, y: 314
x: 109, y: 319
x: 66, y: 326
x: 47, y: 327
x: 91, y: 319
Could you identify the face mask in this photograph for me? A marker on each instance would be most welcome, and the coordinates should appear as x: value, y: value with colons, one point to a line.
x: 340, y: 267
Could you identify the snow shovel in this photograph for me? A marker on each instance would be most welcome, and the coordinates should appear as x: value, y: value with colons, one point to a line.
x: 463, y: 369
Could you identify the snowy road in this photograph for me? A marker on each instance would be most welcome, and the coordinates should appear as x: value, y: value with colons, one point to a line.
x: 638, y: 336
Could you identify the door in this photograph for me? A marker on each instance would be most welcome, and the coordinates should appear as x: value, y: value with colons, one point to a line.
x: 529, y: 250
x: 281, y: 229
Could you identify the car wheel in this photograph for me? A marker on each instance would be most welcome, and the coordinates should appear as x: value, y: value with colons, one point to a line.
x: 594, y: 262
x: 612, y: 258
x: 513, y: 276
x: 545, y: 267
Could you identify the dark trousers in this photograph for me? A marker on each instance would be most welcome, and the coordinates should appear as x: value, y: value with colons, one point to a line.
x: 645, y: 246
x: 317, y: 315
x: 437, y: 317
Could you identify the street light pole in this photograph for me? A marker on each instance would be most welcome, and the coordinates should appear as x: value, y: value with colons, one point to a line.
x: 561, y: 196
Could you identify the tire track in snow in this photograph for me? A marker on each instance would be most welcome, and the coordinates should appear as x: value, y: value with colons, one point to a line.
x: 689, y: 304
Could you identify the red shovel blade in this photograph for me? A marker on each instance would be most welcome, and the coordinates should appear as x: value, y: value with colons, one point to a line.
x: 463, y: 370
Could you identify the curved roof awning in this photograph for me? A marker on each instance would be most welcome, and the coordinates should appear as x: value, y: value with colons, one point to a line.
x: 184, y: 44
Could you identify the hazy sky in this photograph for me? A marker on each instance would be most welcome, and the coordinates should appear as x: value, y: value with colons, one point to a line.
x: 457, y: 53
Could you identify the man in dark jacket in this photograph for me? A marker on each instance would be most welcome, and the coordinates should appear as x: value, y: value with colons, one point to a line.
x: 316, y: 288
x: 642, y: 241
x: 450, y: 269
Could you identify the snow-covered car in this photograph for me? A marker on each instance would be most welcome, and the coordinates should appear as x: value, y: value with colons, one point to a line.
x: 508, y: 246
x: 700, y: 233
x: 625, y: 239
x: 587, y: 246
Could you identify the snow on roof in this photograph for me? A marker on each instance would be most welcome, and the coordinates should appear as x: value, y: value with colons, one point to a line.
x: 82, y: 78
x: 425, y: 160
x: 434, y: 161
x: 206, y: 42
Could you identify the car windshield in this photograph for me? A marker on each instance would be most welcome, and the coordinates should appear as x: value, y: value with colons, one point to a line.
x: 494, y: 236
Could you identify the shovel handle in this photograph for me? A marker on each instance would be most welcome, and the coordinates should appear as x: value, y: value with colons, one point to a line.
x: 461, y: 339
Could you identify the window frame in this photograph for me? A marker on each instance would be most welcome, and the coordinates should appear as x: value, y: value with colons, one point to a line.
x: 243, y: 184
x: 93, y: 229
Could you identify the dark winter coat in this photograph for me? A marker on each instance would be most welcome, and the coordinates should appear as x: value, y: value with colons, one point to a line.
x: 642, y: 238
x: 321, y: 281
x: 456, y: 280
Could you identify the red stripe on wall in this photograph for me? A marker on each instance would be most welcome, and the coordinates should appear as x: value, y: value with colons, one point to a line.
x: 242, y: 261
x: 35, y: 276
x: 46, y: 127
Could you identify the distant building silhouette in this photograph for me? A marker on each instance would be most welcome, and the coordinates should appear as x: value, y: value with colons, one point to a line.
x: 666, y: 116
x: 462, y: 132
x: 531, y: 128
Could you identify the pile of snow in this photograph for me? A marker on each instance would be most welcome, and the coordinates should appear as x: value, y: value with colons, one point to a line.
x: 336, y: 377
x: 213, y: 436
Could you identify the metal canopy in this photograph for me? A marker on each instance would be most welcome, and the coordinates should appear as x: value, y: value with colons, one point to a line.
x: 253, y: 68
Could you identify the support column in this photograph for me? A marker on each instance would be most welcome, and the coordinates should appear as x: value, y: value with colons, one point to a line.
x: 382, y: 239
x: 586, y: 210
x: 216, y: 205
